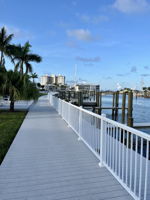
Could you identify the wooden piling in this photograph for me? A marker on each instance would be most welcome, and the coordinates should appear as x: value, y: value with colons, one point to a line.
x: 63, y: 95
x: 113, y: 105
x: 116, y: 104
x: 94, y: 93
x: 123, y: 107
x: 100, y: 103
x: 69, y: 95
x: 97, y: 99
x: 60, y: 94
x: 97, y: 110
x: 80, y: 99
x: 130, y: 109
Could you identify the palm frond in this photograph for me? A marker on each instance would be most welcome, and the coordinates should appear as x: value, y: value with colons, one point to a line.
x: 34, y: 58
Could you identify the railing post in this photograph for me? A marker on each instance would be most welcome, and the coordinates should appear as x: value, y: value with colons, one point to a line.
x: 62, y: 110
x: 80, y: 124
x: 69, y: 114
x: 102, y: 145
x: 59, y: 106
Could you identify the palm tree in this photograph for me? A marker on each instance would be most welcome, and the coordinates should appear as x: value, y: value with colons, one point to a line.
x: 23, y: 56
x: 4, y: 45
x: 18, y: 87
x: 11, y: 86
x: 33, y: 76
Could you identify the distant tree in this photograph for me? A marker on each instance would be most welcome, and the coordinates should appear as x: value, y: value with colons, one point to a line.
x: 42, y: 86
x: 33, y: 76
x: 128, y: 89
x: 39, y: 85
x: 144, y: 88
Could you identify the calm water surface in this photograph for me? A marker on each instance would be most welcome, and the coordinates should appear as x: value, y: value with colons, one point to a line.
x: 141, y: 109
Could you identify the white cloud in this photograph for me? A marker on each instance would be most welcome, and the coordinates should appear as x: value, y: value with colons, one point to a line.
x: 81, y: 34
x: 95, y: 59
x: 131, y: 6
x: 93, y: 19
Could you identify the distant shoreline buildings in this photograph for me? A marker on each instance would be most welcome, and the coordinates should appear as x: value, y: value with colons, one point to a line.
x: 57, y: 82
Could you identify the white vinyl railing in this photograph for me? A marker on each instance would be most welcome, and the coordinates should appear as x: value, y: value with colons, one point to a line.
x: 124, y: 151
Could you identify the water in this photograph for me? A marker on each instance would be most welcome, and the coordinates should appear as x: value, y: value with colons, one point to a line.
x: 141, y: 109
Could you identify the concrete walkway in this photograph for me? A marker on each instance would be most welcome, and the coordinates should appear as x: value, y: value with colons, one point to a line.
x: 47, y: 162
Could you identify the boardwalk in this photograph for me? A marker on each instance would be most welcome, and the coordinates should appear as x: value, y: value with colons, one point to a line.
x: 47, y: 162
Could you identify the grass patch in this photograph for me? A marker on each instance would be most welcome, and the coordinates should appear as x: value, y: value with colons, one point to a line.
x: 10, y: 123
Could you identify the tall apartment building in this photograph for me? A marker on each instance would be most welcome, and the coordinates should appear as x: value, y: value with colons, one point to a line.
x: 45, y: 80
x: 60, y: 80
x: 52, y: 79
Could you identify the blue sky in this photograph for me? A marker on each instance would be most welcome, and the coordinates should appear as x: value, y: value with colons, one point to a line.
x: 109, y: 41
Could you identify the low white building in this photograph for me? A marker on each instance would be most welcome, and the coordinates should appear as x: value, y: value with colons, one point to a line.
x: 87, y: 87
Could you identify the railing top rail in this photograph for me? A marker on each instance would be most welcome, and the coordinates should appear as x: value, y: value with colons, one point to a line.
x: 117, y: 124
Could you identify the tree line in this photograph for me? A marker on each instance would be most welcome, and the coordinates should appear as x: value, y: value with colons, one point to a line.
x: 16, y: 83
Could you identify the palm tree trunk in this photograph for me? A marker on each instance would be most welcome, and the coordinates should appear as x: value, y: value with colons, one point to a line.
x: 26, y: 71
x: 1, y: 61
x: 21, y: 68
x: 12, y: 103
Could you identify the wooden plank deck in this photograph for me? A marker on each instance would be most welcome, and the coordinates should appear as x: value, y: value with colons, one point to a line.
x: 47, y: 162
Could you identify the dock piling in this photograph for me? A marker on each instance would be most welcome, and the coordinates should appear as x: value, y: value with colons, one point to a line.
x: 123, y: 107
x: 116, y: 104
x: 130, y: 109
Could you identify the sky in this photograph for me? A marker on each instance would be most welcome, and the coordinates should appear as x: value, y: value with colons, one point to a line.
x: 105, y: 42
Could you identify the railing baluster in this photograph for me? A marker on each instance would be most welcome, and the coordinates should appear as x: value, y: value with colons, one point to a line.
x: 135, y: 172
x: 120, y: 152
x: 131, y: 161
x: 110, y: 146
x: 116, y: 149
x: 146, y: 170
x: 123, y: 147
x: 113, y: 138
x: 141, y: 165
x: 105, y: 137
x: 127, y: 156
x: 107, y: 144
